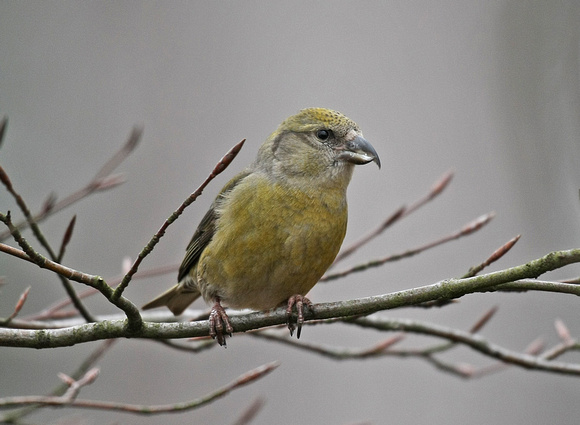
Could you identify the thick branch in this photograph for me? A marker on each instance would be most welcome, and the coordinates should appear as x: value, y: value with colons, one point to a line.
x: 447, y: 289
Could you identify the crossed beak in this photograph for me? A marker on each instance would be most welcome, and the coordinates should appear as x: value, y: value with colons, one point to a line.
x: 359, y: 151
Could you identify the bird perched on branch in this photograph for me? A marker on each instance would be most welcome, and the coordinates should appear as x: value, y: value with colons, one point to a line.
x: 276, y: 227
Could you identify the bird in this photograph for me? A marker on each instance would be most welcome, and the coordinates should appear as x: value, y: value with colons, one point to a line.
x: 277, y: 226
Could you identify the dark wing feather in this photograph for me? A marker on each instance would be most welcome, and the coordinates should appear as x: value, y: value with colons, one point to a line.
x: 206, y: 229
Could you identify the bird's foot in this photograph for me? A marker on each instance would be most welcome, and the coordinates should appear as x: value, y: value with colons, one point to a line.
x: 218, y: 321
x: 299, y: 301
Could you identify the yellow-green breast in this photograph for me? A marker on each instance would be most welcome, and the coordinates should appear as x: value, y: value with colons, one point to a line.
x: 272, y: 241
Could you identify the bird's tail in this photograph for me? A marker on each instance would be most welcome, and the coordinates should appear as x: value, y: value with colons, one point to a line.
x: 176, y: 299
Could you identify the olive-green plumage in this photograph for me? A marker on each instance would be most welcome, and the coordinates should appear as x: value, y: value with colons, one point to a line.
x: 276, y: 227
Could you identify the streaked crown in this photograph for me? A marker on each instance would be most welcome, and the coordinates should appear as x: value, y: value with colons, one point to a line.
x: 316, y: 118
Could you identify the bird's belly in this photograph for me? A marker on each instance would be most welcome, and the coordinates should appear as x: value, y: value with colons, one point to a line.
x: 264, y: 259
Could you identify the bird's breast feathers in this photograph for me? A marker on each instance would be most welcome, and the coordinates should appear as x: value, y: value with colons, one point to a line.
x: 273, y: 241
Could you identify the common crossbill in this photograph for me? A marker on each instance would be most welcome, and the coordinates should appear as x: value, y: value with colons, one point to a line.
x: 276, y: 227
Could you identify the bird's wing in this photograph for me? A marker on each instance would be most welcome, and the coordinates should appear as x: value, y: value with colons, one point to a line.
x: 206, y: 229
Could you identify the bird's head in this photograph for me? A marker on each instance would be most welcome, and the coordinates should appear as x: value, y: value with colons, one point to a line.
x: 315, y: 143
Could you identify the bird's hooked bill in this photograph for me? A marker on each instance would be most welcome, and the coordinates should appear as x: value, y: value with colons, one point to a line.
x: 359, y: 151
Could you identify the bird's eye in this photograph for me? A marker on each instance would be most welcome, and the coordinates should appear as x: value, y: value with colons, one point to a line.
x: 323, y: 134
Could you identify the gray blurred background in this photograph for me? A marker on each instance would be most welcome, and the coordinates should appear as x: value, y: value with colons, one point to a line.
x: 489, y: 89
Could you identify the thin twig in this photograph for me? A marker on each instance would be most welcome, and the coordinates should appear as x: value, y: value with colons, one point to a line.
x: 474, y: 270
x: 100, y: 182
x: 476, y: 342
x: 17, y: 308
x: 75, y: 386
x: 29, y: 254
x: 403, y: 211
x: 119, y: 156
x: 54, y: 310
x: 66, y: 239
x: 246, y: 378
x: 97, y: 282
x: 44, y: 242
x: 522, y: 285
x: 15, y: 252
x: 471, y: 371
x: 189, y: 348
x: 335, y: 353
x: 250, y: 412
x: 3, y: 126
x: 93, y: 358
x: 469, y: 228
x: 568, y: 343
x: 497, y: 254
x: 573, y: 280
x: 530, y: 358
x: 220, y: 166
x: 483, y: 320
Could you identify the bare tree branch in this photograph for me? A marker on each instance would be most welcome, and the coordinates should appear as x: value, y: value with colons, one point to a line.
x: 250, y: 412
x: 246, y: 378
x: 66, y: 238
x: 44, y: 242
x: 17, y: 308
x: 113, y: 295
x: 403, y: 211
x: 220, y: 166
x: 56, y: 331
x: 446, y: 289
x: 497, y: 254
x: 97, y: 282
x: 55, y: 310
x: 94, y: 357
x: 467, y: 229
x: 3, y: 126
x: 530, y: 358
x: 476, y: 342
x: 101, y: 181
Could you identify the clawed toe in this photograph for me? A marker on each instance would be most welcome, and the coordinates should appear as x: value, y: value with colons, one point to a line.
x: 299, y: 301
x: 218, y: 321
